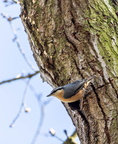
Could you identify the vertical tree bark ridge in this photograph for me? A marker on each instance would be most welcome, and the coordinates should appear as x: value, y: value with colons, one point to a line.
x: 72, y: 40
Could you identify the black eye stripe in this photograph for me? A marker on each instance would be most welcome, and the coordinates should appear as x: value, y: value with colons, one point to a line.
x: 55, y: 90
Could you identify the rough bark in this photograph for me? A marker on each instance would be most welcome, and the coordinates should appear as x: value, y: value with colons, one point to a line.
x: 74, y: 39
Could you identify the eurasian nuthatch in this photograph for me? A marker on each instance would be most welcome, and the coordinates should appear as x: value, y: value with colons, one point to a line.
x: 72, y: 91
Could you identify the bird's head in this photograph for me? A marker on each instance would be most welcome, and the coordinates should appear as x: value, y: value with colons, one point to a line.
x: 56, y: 92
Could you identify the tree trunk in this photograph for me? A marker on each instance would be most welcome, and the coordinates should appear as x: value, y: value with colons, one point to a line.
x: 75, y: 39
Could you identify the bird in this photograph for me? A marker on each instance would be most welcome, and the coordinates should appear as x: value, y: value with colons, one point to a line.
x: 71, y: 92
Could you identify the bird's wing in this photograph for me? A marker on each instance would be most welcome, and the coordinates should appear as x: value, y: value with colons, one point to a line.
x: 73, y: 88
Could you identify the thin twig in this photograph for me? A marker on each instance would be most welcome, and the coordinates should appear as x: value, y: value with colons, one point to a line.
x: 53, y: 133
x: 20, y: 48
x: 39, y: 125
x: 58, y: 138
x: 33, y: 91
x: 42, y: 114
x: 10, y: 19
x: 22, y: 105
x: 9, y: 3
x: 19, y: 77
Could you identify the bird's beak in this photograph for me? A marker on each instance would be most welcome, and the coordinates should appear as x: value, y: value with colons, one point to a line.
x: 48, y: 95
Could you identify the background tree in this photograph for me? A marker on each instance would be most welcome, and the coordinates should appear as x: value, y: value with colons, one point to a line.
x: 72, y: 40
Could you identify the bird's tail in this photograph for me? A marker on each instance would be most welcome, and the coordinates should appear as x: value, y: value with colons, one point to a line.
x: 87, y: 81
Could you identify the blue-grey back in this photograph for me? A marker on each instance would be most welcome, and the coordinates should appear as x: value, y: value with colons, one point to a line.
x: 72, y: 88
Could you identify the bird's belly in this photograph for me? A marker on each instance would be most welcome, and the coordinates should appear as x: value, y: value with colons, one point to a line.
x: 74, y: 98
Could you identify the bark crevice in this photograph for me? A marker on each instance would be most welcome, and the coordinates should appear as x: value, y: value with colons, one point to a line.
x: 104, y: 115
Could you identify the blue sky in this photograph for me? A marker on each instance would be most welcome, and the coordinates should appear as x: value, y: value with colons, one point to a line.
x: 12, y: 63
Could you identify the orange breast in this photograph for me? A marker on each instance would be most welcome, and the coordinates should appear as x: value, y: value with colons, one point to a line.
x: 74, y: 98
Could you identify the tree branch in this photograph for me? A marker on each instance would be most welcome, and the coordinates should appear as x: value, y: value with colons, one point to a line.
x: 19, y: 77
x: 22, y: 105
